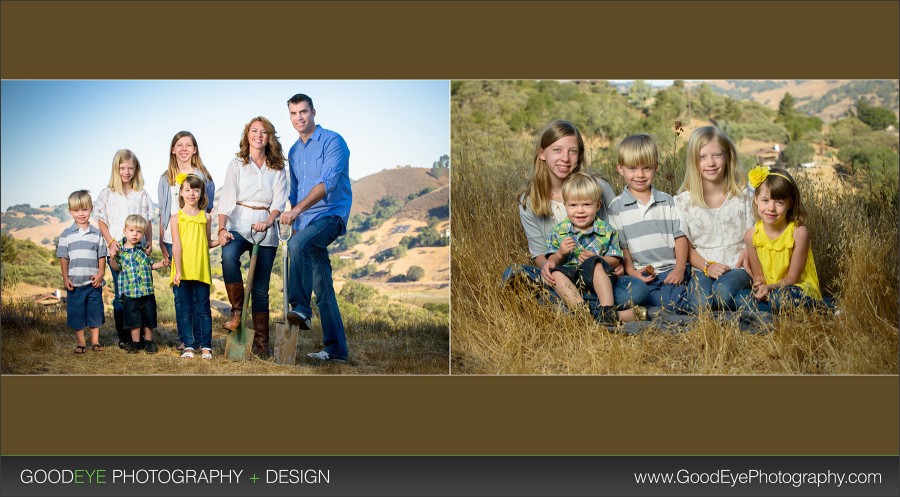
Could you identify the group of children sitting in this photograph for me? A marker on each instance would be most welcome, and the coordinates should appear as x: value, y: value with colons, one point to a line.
x: 725, y: 242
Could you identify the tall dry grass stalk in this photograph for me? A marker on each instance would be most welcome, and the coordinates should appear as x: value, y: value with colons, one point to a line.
x: 496, y: 331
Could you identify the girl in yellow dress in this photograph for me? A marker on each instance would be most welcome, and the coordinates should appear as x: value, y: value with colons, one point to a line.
x: 781, y: 258
x: 190, y: 255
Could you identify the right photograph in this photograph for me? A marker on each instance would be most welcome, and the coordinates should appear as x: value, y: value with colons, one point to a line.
x: 674, y: 227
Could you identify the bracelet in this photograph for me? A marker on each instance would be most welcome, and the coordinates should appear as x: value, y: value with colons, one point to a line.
x: 108, y: 245
x: 221, y: 230
x: 706, y: 268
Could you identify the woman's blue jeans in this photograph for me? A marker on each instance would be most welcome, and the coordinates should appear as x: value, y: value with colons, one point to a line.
x: 231, y: 269
x: 717, y: 294
x: 193, y: 314
x: 311, y: 272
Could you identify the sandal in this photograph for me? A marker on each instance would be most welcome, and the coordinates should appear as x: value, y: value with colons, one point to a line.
x: 207, y: 354
x: 180, y: 347
x: 97, y: 347
x: 188, y: 353
x: 80, y: 349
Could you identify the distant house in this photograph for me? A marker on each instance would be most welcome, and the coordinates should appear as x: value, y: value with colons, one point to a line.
x: 767, y: 156
x: 48, y: 299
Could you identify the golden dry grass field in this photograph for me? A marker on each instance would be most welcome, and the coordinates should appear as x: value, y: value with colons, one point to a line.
x: 496, y: 331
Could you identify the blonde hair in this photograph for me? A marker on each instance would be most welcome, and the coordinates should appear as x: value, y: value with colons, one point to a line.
x: 194, y: 181
x: 638, y: 150
x: 537, y: 190
x: 734, y: 173
x: 80, y: 199
x: 274, y: 153
x: 781, y: 186
x: 136, y: 221
x: 581, y: 186
x: 115, y: 179
x: 196, y: 162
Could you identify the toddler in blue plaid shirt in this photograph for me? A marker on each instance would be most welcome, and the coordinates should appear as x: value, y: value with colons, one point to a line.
x: 586, y: 250
x: 136, y: 285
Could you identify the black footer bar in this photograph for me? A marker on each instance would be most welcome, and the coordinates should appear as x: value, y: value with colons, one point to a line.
x: 197, y: 476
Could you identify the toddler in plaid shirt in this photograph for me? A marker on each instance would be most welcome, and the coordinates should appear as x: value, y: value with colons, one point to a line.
x: 585, y: 249
x: 136, y: 285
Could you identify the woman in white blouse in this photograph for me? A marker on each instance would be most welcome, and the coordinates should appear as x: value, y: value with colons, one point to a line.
x: 250, y: 202
x: 715, y: 209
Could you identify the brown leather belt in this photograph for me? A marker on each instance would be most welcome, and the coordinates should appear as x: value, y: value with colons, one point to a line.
x: 254, y: 207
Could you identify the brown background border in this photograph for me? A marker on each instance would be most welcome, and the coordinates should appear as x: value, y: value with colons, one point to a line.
x: 450, y: 415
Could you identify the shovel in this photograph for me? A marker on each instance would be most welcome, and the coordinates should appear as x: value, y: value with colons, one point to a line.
x: 285, y: 333
x: 238, y: 342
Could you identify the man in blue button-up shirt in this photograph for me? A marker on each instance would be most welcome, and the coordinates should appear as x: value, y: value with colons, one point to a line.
x: 320, y: 195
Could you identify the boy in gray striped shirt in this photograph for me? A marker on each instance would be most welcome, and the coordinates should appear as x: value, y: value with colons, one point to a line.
x: 82, y: 258
x: 654, y: 248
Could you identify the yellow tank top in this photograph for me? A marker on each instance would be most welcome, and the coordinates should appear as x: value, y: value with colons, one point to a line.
x: 194, y: 248
x: 775, y: 256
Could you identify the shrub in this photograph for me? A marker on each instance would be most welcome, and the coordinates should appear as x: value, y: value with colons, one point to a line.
x: 357, y: 293
x: 797, y: 153
x: 415, y: 273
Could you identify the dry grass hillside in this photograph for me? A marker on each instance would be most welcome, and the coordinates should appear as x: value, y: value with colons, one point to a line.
x: 423, y: 207
x: 399, y: 183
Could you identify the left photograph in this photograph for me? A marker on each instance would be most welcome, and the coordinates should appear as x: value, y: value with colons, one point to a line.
x: 225, y: 227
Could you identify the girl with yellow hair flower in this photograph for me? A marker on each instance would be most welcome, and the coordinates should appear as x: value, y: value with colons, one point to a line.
x: 778, y: 246
x: 184, y: 159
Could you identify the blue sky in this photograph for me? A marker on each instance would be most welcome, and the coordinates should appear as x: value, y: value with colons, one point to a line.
x: 60, y: 136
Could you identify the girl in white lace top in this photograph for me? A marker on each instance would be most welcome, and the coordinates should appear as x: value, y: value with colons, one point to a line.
x: 123, y: 196
x: 715, y: 208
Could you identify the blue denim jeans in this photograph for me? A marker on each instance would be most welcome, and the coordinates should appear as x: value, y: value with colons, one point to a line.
x: 182, y: 331
x: 192, y: 312
x: 627, y: 290
x: 717, y: 294
x: 310, y: 272
x: 672, y: 298
x: 791, y: 296
x: 117, y: 300
x: 231, y: 269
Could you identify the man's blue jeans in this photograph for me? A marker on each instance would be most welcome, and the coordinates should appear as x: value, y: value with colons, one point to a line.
x: 193, y: 314
x: 717, y: 294
x: 231, y: 269
x: 311, y: 272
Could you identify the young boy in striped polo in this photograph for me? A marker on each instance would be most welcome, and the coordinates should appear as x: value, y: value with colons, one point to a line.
x: 82, y: 258
x: 654, y: 248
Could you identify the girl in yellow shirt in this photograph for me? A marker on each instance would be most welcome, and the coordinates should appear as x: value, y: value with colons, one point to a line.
x: 190, y: 256
x: 781, y: 258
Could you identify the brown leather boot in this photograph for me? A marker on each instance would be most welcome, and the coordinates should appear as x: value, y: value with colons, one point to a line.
x: 236, y: 298
x: 261, y: 336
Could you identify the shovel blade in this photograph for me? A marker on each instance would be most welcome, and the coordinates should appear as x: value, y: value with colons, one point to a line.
x: 286, y: 343
x: 237, y: 344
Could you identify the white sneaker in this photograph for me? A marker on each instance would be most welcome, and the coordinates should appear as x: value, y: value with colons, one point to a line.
x: 324, y: 357
x: 299, y: 319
